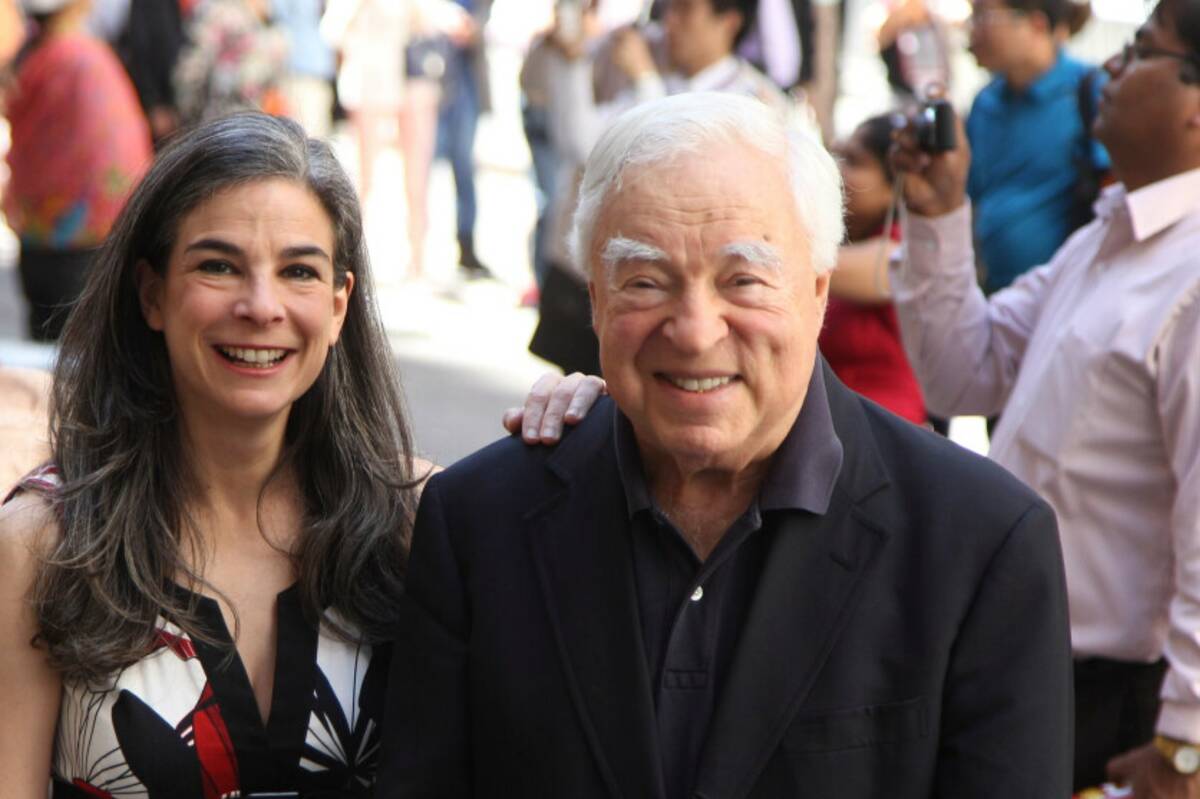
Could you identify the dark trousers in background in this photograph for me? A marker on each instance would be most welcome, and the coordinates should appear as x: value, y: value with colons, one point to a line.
x: 1116, y: 707
x: 564, y: 334
x: 52, y: 281
x: 457, y: 121
x: 545, y: 171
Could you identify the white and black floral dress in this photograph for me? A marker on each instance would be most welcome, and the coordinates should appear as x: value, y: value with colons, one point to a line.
x: 183, y: 723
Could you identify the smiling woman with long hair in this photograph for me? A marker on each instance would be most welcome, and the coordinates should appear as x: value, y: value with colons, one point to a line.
x: 193, y: 596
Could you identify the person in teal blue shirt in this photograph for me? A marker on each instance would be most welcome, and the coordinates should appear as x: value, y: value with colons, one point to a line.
x: 1028, y: 134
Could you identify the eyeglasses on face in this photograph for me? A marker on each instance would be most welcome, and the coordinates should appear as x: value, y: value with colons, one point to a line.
x: 1137, y: 51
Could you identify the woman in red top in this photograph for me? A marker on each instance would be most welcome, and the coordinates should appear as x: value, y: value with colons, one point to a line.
x: 861, y: 337
x: 79, y: 144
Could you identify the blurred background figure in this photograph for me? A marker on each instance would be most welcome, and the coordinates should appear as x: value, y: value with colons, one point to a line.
x: 79, y: 144
x: 914, y: 48
x: 370, y: 35
x: 448, y: 89
x: 1035, y: 167
x: 382, y: 81
x: 12, y: 31
x: 861, y: 336
x: 425, y: 63
x: 465, y: 95
x: 108, y: 19
x: 235, y: 59
x: 311, y: 66
x: 535, y: 122
x: 149, y: 47
x: 796, y: 43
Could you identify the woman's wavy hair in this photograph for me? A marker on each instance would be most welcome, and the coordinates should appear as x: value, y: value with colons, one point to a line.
x: 126, y: 537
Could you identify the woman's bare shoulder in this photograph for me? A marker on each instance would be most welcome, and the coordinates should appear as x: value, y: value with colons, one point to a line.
x: 422, y: 470
x: 28, y: 528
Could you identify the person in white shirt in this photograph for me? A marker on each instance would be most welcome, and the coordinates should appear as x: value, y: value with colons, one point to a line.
x: 1094, y: 359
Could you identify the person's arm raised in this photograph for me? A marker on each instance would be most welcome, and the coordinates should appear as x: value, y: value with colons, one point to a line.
x: 861, y: 274
x: 30, y: 690
x: 966, y: 349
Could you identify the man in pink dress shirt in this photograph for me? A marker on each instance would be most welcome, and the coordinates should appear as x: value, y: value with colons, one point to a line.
x: 1094, y: 359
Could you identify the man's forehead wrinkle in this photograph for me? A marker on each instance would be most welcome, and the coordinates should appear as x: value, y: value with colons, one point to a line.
x: 681, y: 209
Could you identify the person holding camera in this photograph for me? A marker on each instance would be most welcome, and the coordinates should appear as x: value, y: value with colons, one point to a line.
x: 1037, y: 168
x: 1094, y: 359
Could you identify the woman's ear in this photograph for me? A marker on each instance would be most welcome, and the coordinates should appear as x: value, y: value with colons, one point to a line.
x: 149, y: 289
x: 341, y: 302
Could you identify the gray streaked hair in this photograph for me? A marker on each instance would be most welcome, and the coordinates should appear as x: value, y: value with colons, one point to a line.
x: 123, y: 509
x: 658, y: 131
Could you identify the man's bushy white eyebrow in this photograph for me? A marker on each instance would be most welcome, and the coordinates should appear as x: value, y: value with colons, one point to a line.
x: 754, y: 252
x: 620, y: 248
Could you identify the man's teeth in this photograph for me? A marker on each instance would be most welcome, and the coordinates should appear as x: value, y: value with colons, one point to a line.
x: 700, y: 385
x: 254, y: 357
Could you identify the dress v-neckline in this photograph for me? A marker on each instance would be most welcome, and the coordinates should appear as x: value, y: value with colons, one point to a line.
x: 295, y: 642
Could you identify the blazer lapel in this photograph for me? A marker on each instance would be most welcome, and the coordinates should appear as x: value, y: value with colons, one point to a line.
x: 806, y: 592
x: 581, y: 546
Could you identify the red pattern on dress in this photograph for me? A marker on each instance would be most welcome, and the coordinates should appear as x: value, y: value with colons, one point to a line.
x: 214, y: 748
x: 91, y: 790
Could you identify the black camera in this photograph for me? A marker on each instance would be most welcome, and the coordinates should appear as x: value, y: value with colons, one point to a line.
x: 933, y: 125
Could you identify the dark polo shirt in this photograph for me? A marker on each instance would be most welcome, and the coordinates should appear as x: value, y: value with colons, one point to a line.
x: 691, y: 610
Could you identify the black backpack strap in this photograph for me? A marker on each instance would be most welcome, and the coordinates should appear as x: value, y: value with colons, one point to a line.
x: 1085, y: 95
x: 1089, y: 178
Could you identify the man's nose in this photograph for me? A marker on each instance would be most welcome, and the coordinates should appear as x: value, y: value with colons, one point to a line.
x: 697, y: 324
x: 1114, y: 63
x: 259, y: 301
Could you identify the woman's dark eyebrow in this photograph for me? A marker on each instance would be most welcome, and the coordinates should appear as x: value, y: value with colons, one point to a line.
x: 218, y: 245
x: 228, y: 248
x: 304, y: 250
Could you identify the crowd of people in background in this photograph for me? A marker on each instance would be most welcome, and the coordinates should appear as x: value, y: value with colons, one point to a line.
x: 95, y: 84
x: 1037, y: 270
x: 414, y: 75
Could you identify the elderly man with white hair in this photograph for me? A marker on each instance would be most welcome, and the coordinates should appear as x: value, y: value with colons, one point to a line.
x: 736, y: 578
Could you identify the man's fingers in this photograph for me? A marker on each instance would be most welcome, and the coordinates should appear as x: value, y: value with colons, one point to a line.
x: 589, y: 390
x: 512, y: 419
x: 556, y: 408
x: 535, y: 407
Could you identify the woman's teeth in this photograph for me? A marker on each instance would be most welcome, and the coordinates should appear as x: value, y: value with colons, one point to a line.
x: 253, y: 357
x: 699, y: 385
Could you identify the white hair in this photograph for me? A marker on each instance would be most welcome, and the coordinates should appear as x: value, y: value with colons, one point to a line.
x: 656, y: 132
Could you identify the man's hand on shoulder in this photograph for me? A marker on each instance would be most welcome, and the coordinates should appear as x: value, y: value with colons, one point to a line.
x: 553, y: 401
x: 1151, y: 776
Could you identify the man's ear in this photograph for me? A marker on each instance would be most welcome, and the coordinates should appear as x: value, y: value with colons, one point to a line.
x: 822, y: 289
x: 149, y: 289
x: 341, y: 302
